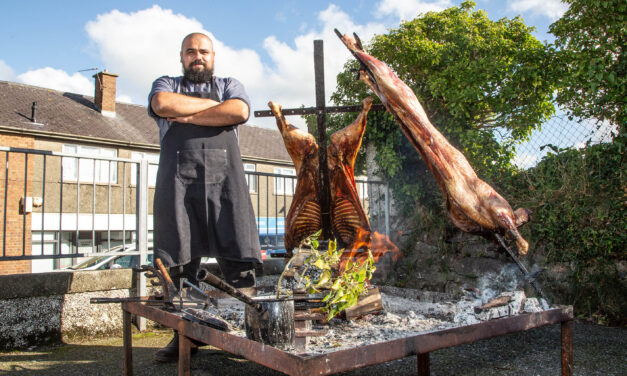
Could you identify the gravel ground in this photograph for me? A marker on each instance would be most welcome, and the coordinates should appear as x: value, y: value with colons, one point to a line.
x: 598, y: 350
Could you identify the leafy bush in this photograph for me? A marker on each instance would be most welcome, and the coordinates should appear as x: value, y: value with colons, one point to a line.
x: 578, y: 199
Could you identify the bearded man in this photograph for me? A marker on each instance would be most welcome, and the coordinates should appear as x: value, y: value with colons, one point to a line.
x: 202, y: 207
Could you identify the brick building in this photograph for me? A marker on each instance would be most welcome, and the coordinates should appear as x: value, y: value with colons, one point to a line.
x: 53, y: 203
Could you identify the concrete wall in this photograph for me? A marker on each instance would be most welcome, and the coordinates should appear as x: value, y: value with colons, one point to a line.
x: 48, y: 307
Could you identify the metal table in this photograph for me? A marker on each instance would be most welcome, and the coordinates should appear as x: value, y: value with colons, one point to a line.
x: 345, y: 360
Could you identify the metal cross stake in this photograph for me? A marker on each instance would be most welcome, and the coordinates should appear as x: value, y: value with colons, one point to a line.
x: 320, y: 111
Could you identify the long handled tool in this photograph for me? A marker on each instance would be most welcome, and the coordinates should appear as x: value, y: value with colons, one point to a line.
x: 172, y: 291
x: 528, y: 276
x: 219, y: 283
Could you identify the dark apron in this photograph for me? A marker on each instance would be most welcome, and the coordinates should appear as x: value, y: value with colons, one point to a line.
x: 202, y: 207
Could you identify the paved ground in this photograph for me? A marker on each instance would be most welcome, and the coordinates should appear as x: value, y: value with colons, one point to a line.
x: 597, y: 351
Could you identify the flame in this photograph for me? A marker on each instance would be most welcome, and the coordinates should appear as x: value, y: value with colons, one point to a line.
x: 379, y: 245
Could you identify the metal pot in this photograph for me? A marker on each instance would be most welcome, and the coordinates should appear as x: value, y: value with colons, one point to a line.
x: 268, y: 320
x: 274, y: 324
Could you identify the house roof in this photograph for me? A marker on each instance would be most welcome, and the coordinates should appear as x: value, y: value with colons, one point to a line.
x: 63, y: 114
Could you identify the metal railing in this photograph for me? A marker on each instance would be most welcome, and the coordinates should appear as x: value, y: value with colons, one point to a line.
x: 271, y: 196
x: 60, y: 207
x: 52, y: 210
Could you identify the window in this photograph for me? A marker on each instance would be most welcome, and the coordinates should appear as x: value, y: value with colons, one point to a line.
x: 153, y: 166
x: 87, y: 169
x: 362, y: 187
x: 251, y: 179
x: 284, y: 185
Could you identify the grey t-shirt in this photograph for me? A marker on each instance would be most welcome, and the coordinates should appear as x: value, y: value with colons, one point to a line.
x: 226, y: 87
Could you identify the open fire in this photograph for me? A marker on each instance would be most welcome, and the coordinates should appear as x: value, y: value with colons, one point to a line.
x: 405, y: 312
x: 378, y: 244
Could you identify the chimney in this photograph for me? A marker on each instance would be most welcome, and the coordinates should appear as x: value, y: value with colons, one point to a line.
x: 105, y: 92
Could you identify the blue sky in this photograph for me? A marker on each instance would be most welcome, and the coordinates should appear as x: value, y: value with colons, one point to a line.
x: 268, y: 45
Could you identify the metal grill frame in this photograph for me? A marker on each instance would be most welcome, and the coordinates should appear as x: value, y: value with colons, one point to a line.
x: 348, y: 359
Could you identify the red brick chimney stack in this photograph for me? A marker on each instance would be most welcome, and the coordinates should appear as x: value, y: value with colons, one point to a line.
x: 105, y: 92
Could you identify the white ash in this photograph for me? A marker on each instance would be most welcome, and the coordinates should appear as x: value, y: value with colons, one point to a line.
x: 406, y: 313
x: 372, y: 328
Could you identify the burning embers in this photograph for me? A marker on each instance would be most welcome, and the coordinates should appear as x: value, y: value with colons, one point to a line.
x: 349, y: 222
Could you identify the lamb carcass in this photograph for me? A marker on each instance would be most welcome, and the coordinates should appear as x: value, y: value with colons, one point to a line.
x: 303, y: 218
x: 347, y: 214
x: 473, y: 205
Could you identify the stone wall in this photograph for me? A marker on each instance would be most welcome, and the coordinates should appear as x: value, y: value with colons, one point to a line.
x: 48, y: 307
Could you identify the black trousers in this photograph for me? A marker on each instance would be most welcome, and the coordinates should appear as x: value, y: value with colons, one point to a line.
x: 236, y: 273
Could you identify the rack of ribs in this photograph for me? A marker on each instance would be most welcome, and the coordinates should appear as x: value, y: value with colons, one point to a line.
x: 347, y: 214
x: 473, y: 205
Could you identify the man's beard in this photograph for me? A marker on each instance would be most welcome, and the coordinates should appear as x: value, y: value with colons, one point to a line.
x: 203, y: 75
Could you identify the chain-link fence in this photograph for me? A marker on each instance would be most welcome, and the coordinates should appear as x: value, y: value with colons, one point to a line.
x: 560, y: 132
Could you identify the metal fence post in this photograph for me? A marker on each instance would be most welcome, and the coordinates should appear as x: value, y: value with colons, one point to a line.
x: 142, y: 231
x: 387, y: 209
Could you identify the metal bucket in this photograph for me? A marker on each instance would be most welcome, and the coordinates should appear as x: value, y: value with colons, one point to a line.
x: 273, y: 324
x: 268, y: 320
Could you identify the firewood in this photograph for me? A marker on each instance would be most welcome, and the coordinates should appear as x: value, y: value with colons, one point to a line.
x: 366, y: 303
x: 500, y: 300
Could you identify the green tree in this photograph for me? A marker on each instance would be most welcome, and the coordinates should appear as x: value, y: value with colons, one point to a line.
x: 484, y: 84
x: 590, y: 41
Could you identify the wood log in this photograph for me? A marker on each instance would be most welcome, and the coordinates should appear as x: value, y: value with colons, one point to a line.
x: 304, y: 333
x: 500, y: 300
x: 366, y: 303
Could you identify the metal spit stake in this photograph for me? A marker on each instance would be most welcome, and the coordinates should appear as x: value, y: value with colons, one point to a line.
x: 528, y: 276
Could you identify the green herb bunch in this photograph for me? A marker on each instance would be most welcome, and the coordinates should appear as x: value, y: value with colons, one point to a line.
x: 344, y: 283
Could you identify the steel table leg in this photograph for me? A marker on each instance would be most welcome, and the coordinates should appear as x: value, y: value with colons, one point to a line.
x: 423, y: 364
x: 184, y: 355
x: 128, y: 343
x: 567, y: 348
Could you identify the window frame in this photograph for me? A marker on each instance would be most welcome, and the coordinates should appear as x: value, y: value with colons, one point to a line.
x: 153, y: 167
x: 281, y: 187
x: 251, y: 167
x: 85, y: 167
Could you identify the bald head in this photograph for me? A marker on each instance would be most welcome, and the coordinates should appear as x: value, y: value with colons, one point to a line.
x: 197, y: 57
x: 194, y: 36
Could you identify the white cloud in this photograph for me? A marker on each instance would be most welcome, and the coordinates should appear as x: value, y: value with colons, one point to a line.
x: 140, y: 46
x: 409, y: 9
x: 6, y: 73
x: 292, y: 72
x: 123, y: 99
x: 144, y: 45
x: 58, y: 80
x: 553, y: 9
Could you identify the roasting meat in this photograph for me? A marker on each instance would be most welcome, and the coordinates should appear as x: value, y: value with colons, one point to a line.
x: 347, y: 214
x: 473, y: 205
x: 303, y: 218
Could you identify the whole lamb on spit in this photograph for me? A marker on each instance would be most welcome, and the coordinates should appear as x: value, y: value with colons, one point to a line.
x: 473, y: 205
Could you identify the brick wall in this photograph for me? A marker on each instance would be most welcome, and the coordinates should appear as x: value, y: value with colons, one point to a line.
x: 105, y: 91
x: 15, y: 228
